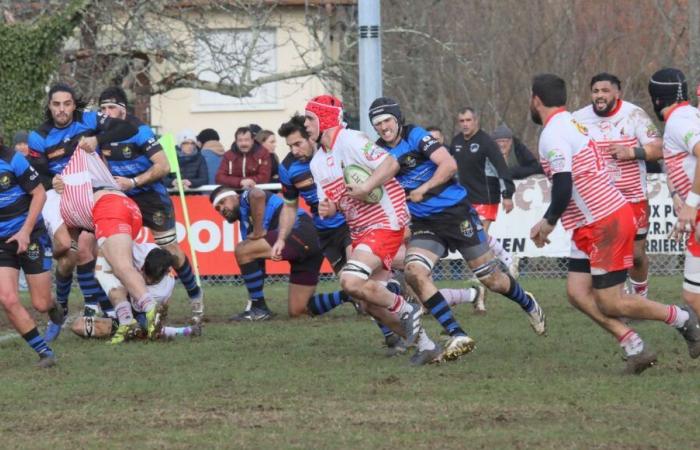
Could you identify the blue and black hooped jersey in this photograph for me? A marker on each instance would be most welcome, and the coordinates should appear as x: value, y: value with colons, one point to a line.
x: 50, y: 148
x: 271, y: 216
x: 17, y: 180
x: 416, y: 167
x: 131, y: 157
x: 296, y: 180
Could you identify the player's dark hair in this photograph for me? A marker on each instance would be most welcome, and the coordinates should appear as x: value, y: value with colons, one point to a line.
x: 62, y: 87
x: 605, y: 76
x: 157, y: 264
x: 296, y: 123
x: 218, y: 191
x: 550, y: 89
x: 433, y: 128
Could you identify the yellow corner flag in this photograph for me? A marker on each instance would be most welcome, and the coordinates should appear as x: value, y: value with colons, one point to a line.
x: 167, y: 141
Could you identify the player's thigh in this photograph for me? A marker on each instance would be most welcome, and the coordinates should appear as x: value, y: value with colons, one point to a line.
x: 250, y: 250
x: 9, y: 283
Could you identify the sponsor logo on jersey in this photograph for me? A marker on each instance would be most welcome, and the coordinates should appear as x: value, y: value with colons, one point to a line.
x: 306, y: 182
x: 474, y: 147
x: 688, y: 136
x: 556, y: 159
x: 372, y: 152
x: 581, y: 129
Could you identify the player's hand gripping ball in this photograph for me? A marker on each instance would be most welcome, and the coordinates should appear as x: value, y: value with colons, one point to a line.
x: 355, y: 174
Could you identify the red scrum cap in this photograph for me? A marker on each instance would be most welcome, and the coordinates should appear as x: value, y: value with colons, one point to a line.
x: 327, y: 109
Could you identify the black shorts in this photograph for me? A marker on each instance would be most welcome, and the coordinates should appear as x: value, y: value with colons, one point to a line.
x: 156, y: 210
x: 457, y: 228
x: 334, y: 241
x: 303, y: 252
x: 37, y: 258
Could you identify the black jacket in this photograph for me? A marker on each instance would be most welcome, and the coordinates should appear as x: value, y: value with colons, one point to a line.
x: 193, y: 167
x: 527, y: 163
x: 481, y: 168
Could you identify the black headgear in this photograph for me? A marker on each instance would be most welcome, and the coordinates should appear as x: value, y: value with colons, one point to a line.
x: 113, y: 95
x: 385, y: 105
x: 666, y: 87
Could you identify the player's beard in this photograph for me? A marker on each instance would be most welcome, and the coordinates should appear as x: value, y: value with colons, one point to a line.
x: 233, y: 215
x: 608, y: 107
x: 535, y: 116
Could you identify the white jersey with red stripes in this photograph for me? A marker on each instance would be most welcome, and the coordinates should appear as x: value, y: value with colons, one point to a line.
x: 565, y: 147
x: 627, y: 125
x: 83, y: 172
x: 681, y: 134
x: 354, y: 147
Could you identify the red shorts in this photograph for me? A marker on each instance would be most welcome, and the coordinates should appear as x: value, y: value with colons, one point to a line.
x: 383, y: 243
x: 608, y: 243
x: 487, y: 211
x: 116, y: 214
x: 641, y: 216
x: 691, y: 245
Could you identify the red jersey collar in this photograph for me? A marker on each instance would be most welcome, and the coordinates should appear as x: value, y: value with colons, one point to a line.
x: 614, y: 111
x: 673, y: 108
x: 556, y: 111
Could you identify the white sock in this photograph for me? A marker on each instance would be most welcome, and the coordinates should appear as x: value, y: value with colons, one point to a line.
x: 639, y: 287
x: 124, y: 314
x: 423, y: 342
x: 632, y: 344
x: 171, y: 332
x: 498, y: 250
x: 676, y: 316
x: 145, y: 303
x: 455, y: 297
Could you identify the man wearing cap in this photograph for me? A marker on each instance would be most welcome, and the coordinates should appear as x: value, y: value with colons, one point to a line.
x: 51, y: 146
x: 139, y: 165
x: 520, y: 160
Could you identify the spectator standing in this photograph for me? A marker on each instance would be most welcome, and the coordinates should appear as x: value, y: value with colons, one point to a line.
x: 212, y: 150
x: 520, y: 160
x: 247, y: 163
x: 193, y: 167
x: 267, y: 139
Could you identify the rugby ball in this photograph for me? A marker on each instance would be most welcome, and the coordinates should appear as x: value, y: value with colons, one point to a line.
x: 355, y: 174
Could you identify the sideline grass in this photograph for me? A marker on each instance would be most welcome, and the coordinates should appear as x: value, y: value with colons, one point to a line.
x: 325, y: 383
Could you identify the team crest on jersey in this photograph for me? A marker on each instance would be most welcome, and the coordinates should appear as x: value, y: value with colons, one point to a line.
x: 688, y: 136
x: 474, y: 147
x: 33, y: 251
x: 581, y: 129
x: 652, y: 131
x: 5, y: 181
x: 604, y: 126
x: 556, y: 159
x: 158, y: 218
x: 372, y: 152
x: 466, y: 229
x: 410, y: 161
x: 126, y: 152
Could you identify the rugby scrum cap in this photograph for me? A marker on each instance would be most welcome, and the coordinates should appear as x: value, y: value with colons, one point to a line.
x: 328, y: 110
x: 666, y: 87
x: 113, y: 96
x: 384, y: 107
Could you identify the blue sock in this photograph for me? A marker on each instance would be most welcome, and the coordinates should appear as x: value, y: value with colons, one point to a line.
x: 439, y: 308
x: 63, y: 285
x: 254, y: 279
x: 184, y: 273
x: 322, y: 303
x: 91, y: 289
x: 37, y: 342
x: 394, y: 286
x: 386, y: 331
x: 518, y: 295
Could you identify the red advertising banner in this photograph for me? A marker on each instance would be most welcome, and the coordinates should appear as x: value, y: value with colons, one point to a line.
x: 214, y: 239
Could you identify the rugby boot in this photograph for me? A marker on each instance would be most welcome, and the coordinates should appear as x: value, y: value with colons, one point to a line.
x: 410, y: 322
x: 154, y: 322
x: 457, y: 346
x: 423, y: 357
x: 57, y: 317
x: 124, y: 332
x: 252, y: 315
x: 395, y: 345
x: 640, y: 362
x: 538, y: 321
x: 691, y: 333
x: 46, y: 359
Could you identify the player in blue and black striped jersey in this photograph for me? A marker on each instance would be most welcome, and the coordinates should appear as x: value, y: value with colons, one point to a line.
x: 259, y: 214
x: 24, y: 244
x: 139, y: 165
x: 51, y: 146
x: 441, y: 219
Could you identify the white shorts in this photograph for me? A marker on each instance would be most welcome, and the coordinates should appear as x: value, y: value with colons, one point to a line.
x: 51, y: 212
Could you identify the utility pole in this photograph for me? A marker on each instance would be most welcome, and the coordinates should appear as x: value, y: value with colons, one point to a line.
x: 693, y: 44
x: 370, y: 60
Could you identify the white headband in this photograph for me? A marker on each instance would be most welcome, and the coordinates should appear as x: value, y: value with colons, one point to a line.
x: 222, y: 196
x: 381, y: 118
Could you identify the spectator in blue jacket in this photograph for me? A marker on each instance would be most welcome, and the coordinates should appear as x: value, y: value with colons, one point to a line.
x: 212, y: 151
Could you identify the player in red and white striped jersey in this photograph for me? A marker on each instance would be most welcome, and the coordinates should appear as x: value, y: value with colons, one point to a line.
x: 376, y: 229
x: 626, y: 138
x: 669, y: 95
x: 588, y: 203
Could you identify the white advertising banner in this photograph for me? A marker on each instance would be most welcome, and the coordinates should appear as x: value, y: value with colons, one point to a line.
x: 532, y: 198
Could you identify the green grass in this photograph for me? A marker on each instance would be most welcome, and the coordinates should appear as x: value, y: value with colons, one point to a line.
x: 324, y: 383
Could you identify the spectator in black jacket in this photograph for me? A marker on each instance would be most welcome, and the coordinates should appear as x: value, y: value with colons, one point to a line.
x: 193, y: 167
x: 520, y: 160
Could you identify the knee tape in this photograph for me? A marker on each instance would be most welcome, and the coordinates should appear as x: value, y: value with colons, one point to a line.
x: 485, y: 270
x: 691, y: 274
x: 165, y: 238
x: 415, y: 258
x: 105, y: 276
x: 357, y: 269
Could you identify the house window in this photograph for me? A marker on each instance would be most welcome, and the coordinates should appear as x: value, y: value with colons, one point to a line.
x: 223, y: 55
